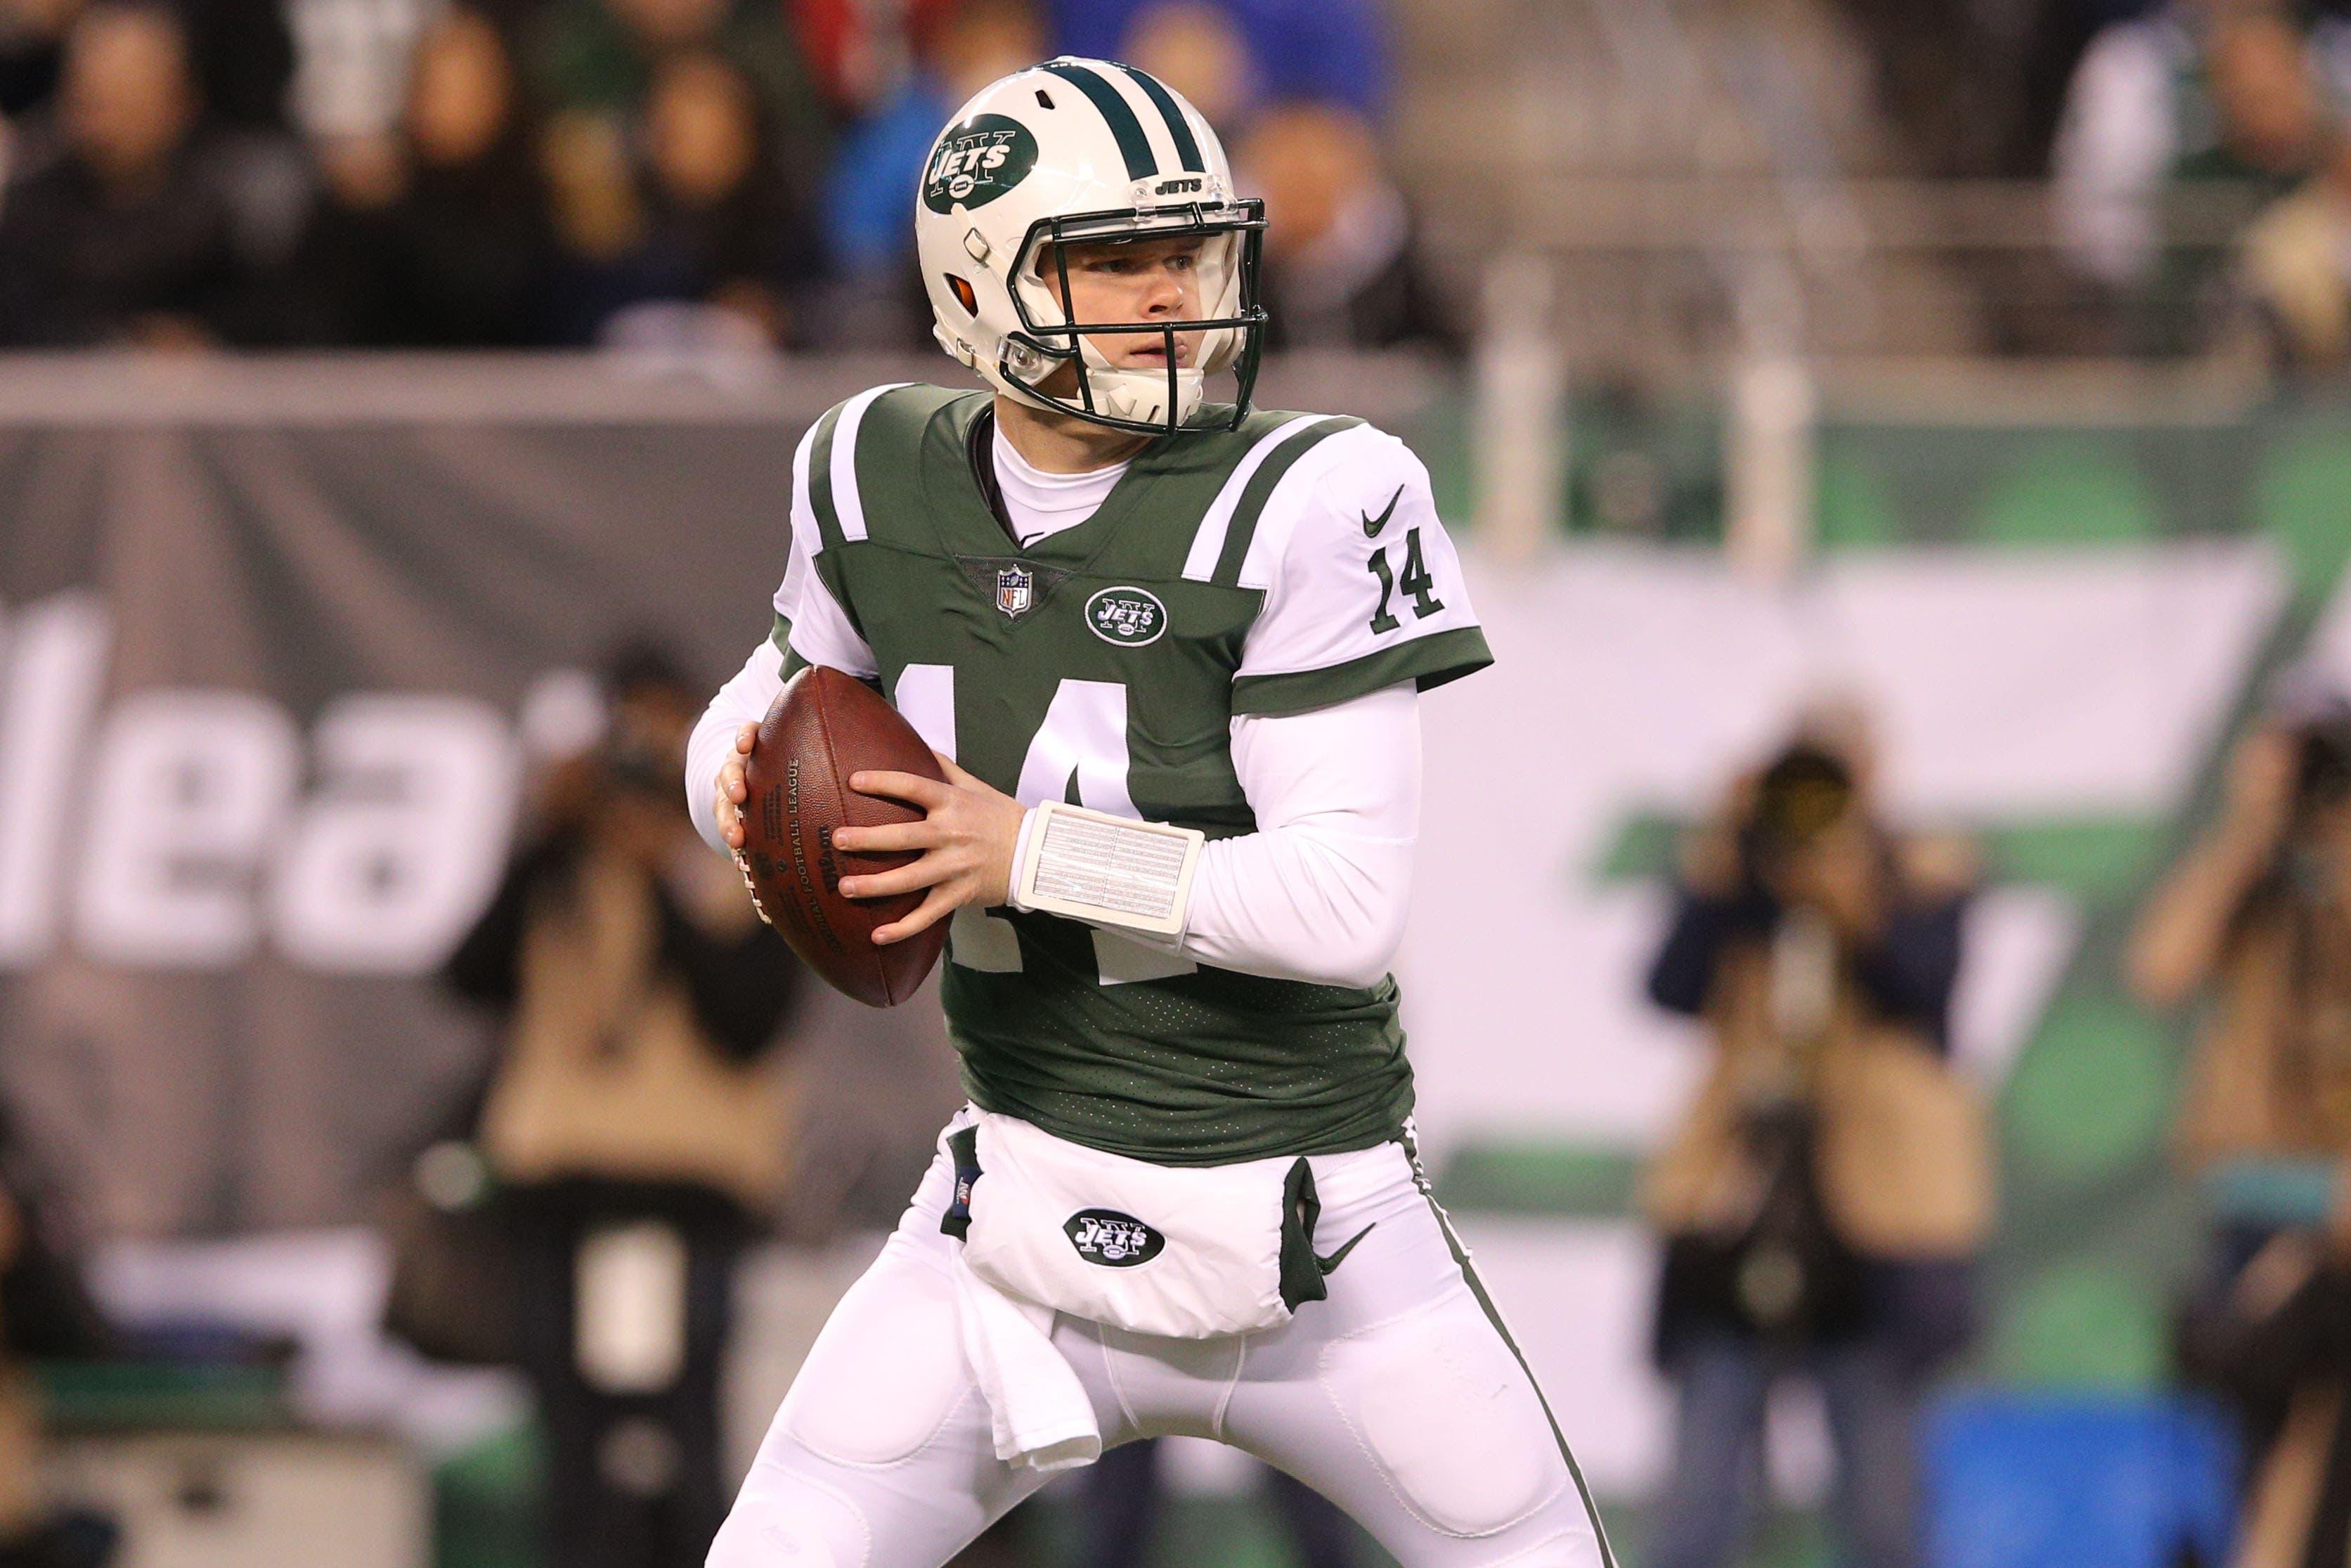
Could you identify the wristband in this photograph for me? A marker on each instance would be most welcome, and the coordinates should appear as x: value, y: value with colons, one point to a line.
x: 1105, y: 870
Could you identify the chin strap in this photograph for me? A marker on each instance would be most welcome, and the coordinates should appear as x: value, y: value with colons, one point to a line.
x: 1105, y: 871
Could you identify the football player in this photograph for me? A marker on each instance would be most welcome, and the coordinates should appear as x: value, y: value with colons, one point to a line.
x: 1170, y: 652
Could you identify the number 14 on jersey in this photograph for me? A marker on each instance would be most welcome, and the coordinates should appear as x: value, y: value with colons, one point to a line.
x: 1416, y: 582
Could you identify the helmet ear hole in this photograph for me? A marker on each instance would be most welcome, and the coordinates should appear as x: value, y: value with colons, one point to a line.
x: 964, y: 295
x: 1042, y: 101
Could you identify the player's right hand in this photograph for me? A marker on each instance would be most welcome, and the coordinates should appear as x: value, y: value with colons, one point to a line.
x: 733, y: 788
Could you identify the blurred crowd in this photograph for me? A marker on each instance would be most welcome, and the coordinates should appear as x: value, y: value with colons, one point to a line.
x: 2204, y: 118
x: 1826, y: 1200
x: 496, y: 173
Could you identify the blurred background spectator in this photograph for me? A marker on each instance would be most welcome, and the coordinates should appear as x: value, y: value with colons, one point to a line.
x: 45, y: 1313
x: 132, y: 218
x: 434, y: 234
x: 2201, y: 91
x: 684, y: 153
x: 1333, y: 51
x: 958, y: 50
x: 1825, y: 1196
x: 2256, y: 922
x: 633, y: 1124
x: 679, y: 234
x: 1342, y: 270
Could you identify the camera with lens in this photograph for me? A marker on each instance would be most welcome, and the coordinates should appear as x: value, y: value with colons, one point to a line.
x: 1806, y: 791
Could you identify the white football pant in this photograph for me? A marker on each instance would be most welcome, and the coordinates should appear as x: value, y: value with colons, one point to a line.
x: 1400, y: 1398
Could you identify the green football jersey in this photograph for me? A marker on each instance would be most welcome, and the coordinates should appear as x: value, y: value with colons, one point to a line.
x: 1289, y: 564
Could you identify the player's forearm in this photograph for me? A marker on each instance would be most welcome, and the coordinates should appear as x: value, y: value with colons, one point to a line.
x: 1306, y: 902
x: 744, y: 699
x: 1318, y: 892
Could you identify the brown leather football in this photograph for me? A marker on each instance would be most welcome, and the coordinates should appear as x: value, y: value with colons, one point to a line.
x: 824, y: 727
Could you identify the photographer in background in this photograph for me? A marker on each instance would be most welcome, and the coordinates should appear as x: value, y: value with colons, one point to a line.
x: 46, y: 1313
x: 1826, y: 1193
x: 2257, y: 922
x: 632, y: 1125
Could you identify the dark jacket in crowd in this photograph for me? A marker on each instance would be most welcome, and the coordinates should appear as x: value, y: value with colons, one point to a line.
x: 738, y: 987
x: 82, y: 264
x: 459, y: 261
x: 1394, y: 307
x: 1908, y: 974
x: 1894, y: 1155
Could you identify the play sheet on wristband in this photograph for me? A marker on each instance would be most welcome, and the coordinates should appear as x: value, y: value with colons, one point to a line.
x: 1109, y: 870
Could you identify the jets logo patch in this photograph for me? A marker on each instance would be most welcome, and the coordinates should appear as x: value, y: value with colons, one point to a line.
x: 977, y: 160
x: 1127, y: 617
x: 1114, y: 1240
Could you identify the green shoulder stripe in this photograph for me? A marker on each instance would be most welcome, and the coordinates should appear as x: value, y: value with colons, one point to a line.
x: 908, y: 437
x: 1427, y: 662
x: 1260, y: 489
x: 819, y: 481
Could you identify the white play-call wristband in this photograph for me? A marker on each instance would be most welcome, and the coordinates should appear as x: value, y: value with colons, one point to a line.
x: 1105, y: 870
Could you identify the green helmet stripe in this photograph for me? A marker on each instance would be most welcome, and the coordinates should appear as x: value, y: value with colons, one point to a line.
x: 1124, y: 124
x: 1187, y: 147
x: 1262, y: 484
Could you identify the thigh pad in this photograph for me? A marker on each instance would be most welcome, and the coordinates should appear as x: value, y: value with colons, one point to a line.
x: 1451, y: 1418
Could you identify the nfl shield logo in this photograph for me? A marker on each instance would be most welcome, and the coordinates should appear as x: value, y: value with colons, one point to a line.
x: 1016, y: 591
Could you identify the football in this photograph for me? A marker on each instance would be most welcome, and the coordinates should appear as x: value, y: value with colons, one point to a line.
x: 824, y: 727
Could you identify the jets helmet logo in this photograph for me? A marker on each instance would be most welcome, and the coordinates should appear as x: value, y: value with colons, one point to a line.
x: 1112, y: 1239
x: 977, y: 161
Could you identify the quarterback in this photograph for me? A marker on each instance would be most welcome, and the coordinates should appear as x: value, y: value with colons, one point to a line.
x: 1171, y: 650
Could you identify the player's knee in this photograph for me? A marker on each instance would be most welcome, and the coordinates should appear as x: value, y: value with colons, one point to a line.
x: 881, y: 1381
x: 783, y: 1521
x: 1451, y: 1418
x: 1562, y: 1548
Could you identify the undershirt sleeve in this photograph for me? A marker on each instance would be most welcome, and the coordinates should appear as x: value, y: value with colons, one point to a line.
x: 811, y: 628
x: 744, y: 699
x: 1319, y: 891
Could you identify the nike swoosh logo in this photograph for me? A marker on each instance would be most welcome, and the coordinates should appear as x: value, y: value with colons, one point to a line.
x: 1331, y: 1265
x: 1371, y: 527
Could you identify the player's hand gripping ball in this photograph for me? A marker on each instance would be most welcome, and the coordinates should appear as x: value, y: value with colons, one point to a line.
x: 825, y: 728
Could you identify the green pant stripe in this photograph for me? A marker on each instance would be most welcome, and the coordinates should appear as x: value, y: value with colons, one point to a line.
x: 1260, y: 487
x: 1494, y: 1315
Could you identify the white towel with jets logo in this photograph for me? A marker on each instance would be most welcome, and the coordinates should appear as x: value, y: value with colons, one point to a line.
x: 1048, y: 1226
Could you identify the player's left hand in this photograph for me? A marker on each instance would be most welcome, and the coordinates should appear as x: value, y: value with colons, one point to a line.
x: 967, y: 837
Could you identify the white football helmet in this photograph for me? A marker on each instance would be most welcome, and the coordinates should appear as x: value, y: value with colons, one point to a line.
x: 1076, y: 151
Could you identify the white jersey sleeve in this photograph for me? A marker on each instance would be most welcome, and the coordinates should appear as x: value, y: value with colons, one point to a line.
x: 811, y: 628
x: 1363, y: 587
x: 809, y: 622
